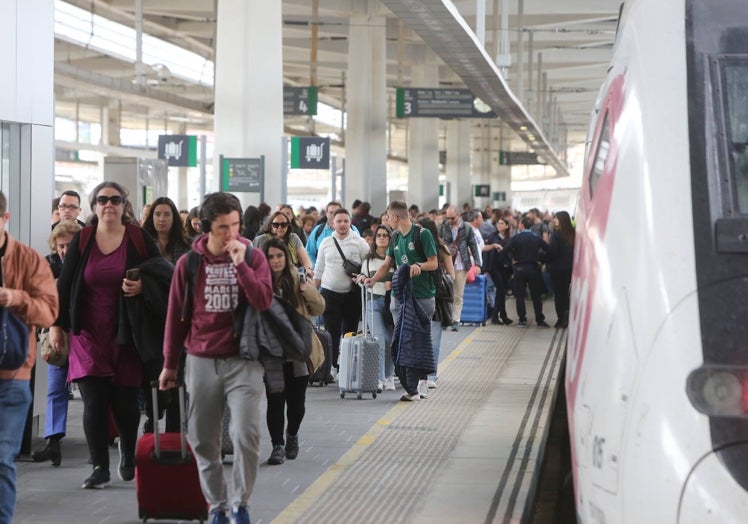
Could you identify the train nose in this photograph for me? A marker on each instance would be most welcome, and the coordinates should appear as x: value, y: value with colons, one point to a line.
x: 713, y: 493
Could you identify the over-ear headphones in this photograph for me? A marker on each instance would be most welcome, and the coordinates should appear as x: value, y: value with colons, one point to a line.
x: 204, y: 223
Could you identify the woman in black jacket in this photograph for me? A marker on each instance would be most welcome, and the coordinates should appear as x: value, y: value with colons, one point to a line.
x: 560, y: 266
x: 93, y: 280
x: 500, y: 269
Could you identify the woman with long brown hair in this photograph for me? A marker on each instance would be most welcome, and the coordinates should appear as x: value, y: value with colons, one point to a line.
x: 560, y: 267
x: 294, y: 288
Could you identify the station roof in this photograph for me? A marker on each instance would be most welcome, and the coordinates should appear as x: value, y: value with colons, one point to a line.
x: 558, y: 54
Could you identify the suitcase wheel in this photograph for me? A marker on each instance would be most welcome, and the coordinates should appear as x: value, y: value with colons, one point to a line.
x: 374, y: 394
x: 342, y: 394
x: 358, y: 396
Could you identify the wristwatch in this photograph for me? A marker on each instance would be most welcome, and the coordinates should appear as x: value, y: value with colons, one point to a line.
x: 419, y: 265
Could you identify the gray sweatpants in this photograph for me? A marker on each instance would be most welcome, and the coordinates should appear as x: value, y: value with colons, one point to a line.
x: 211, y: 384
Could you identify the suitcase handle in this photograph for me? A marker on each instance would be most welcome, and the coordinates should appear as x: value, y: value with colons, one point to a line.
x: 367, y: 306
x: 168, y: 457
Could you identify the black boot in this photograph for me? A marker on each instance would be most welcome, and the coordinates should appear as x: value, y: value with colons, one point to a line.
x: 51, y: 451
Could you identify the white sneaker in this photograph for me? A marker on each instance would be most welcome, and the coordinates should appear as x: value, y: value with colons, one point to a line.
x: 380, y: 386
x: 423, y: 389
x: 334, y: 373
x: 389, y: 384
x: 431, y: 384
x: 410, y: 398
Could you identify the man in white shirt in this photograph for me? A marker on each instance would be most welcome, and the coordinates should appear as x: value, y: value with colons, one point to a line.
x: 342, y: 297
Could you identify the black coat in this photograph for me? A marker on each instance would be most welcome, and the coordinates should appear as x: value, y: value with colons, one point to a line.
x: 142, y: 318
x: 71, y: 279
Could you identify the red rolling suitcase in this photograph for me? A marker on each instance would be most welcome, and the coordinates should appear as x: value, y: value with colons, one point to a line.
x: 166, y: 480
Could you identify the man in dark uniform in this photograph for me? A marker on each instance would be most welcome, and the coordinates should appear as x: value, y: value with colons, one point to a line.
x: 526, y: 250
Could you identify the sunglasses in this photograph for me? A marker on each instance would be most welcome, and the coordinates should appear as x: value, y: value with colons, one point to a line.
x: 383, y: 235
x: 451, y: 218
x: 71, y: 207
x: 116, y: 200
x: 276, y: 225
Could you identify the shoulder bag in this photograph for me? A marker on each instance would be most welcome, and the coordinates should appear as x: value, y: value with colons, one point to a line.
x: 14, y: 340
x: 351, y: 268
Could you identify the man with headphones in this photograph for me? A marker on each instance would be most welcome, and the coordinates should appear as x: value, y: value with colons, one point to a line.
x: 216, y: 376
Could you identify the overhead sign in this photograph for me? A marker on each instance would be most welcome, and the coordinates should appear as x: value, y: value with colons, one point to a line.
x: 440, y: 103
x: 517, y: 158
x: 482, y: 190
x: 299, y: 100
x: 243, y: 175
x: 310, y: 152
x: 178, y: 150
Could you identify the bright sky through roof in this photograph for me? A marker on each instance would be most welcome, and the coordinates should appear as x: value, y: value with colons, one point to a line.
x: 105, y: 36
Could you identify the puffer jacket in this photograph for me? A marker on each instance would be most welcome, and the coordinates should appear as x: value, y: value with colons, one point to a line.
x: 411, y: 339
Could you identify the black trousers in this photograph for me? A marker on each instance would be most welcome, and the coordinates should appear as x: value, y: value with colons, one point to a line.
x: 98, y: 395
x: 561, y: 283
x: 531, y: 276
x: 342, y: 313
x: 293, y: 398
x: 499, y: 303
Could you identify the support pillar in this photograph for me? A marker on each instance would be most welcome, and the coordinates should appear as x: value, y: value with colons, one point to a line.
x: 423, y: 140
x: 366, y: 106
x: 459, y: 161
x: 501, y: 179
x: 249, y: 90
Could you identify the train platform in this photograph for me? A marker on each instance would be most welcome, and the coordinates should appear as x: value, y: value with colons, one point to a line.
x: 471, y: 452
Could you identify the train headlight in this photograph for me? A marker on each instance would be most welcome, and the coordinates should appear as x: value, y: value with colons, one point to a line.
x: 719, y: 391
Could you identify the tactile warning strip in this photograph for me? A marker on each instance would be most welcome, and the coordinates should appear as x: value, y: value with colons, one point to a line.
x: 384, y: 477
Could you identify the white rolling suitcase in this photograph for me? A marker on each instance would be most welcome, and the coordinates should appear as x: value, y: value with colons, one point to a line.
x: 359, y: 358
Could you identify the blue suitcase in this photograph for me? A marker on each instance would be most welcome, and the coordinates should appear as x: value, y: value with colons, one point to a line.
x: 474, y: 299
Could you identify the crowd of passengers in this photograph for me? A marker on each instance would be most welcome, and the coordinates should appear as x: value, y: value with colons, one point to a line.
x: 174, y: 318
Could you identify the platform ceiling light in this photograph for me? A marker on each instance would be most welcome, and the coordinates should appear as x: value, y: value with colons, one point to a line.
x: 117, y: 40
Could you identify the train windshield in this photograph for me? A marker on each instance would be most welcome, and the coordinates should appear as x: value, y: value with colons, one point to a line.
x: 735, y: 79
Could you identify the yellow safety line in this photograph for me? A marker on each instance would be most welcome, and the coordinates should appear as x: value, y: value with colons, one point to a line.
x: 296, y: 509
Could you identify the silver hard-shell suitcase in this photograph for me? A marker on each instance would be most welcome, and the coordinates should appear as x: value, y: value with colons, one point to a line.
x: 359, y: 358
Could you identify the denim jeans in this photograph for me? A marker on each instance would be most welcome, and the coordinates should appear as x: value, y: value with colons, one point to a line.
x: 382, y: 329
x: 57, y: 401
x: 15, y: 398
x: 436, y: 341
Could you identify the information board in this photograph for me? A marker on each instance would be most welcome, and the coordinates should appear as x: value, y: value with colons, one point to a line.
x: 299, y: 100
x: 310, y: 152
x: 518, y: 158
x: 178, y: 150
x: 414, y: 102
x: 243, y: 175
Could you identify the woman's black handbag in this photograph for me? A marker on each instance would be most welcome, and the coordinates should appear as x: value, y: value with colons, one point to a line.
x: 14, y: 340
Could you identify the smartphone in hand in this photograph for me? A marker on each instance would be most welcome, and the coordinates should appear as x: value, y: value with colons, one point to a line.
x: 133, y: 274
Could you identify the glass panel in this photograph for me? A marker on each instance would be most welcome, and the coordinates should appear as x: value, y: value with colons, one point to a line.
x: 601, y: 155
x: 736, y: 94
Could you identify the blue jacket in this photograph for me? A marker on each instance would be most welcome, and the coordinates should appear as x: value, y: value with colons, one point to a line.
x: 411, y: 339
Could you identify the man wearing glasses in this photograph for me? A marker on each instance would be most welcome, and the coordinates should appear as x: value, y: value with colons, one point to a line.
x: 69, y: 207
x: 463, y: 244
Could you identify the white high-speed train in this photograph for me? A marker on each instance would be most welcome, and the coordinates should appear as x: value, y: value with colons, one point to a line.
x: 657, y: 360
